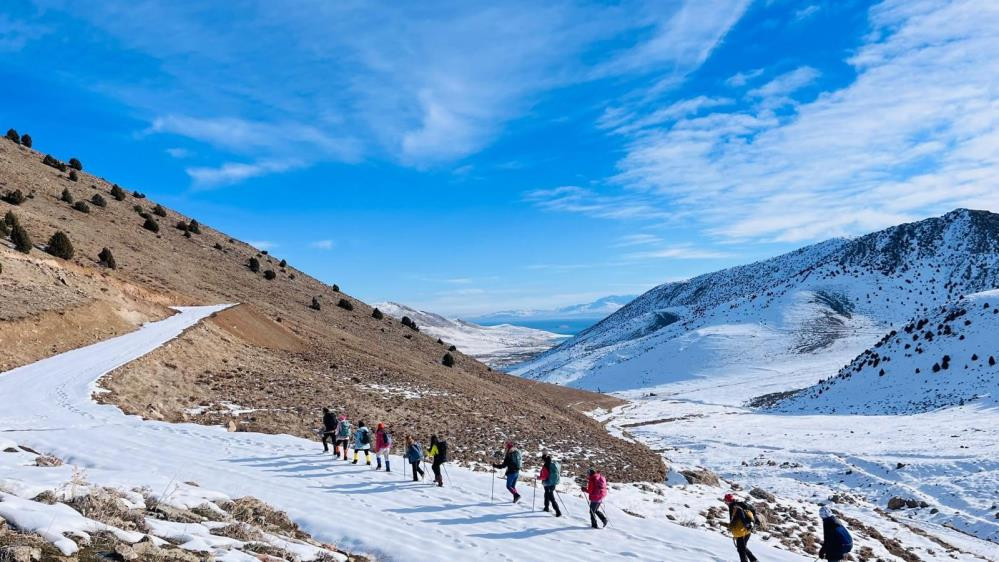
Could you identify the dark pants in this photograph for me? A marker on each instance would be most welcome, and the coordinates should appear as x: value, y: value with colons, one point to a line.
x: 416, y: 470
x: 328, y: 437
x: 741, y: 546
x: 437, y: 472
x: 595, y: 513
x: 342, y: 445
x: 511, y: 483
x: 550, y: 499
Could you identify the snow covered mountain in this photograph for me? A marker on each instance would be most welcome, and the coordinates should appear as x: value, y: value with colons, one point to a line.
x: 595, y: 309
x: 496, y: 346
x: 822, y: 304
x: 941, y: 359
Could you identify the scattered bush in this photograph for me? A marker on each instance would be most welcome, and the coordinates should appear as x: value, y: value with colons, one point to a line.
x: 73, y: 176
x: 315, y: 304
x: 98, y: 200
x: 118, y: 193
x: 452, y: 348
x: 336, y: 288
x: 60, y: 246
x: 76, y: 164
x: 377, y: 314
x: 291, y: 276
x: 138, y: 195
x: 10, y: 219
x: 284, y: 263
x: 269, y: 274
x: 151, y: 225
x: 440, y: 341
x: 159, y: 211
x: 254, y: 265
x: 66, y: 196
x: 137, y: 209
x: 26, y: 140
x: 54, y: 162
x: 194, y: 227
x: 15, y: 197
x: 187, y: 234
x: 13, y: 137
x: 106, y: 258
x: 4, y: 229
x: 181, y: 225
x: 19, y: 236
x: 82, y: 206
x: 345, y: 304
x: 217, y: 246
x: 408, y: 322
x: 448, y: 360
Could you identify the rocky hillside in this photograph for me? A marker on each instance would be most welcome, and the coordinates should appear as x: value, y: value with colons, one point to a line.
x: 836, y: 296
x: 944, y: 358
x: 292, y: 346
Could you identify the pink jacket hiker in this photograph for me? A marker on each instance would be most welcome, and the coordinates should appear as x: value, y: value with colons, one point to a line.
x: 596, y: 487
x: 382, y: 440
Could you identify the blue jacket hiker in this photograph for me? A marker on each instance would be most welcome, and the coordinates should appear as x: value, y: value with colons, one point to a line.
x: 342, y: 435
x: 362, y: 442
x: 836, y: 540
x: 414, y: 455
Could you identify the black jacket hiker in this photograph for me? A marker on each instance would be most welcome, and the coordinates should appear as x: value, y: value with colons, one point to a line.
x: 329, y: 429
x: 836, y: 540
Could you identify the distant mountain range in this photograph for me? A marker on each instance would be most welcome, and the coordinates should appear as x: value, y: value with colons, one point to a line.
x: 497, y: 346
x: 820, y: 306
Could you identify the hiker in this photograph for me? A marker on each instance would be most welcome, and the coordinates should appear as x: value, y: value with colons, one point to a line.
x: 343, y: 434
x: 438, y: 456
x: 741, y: 517
x: 836, y: 540
x: 329, y: 432
x: 511, y: 462
x: 383, y: 444
x: 596, y: 488
x: 362, y: 442
x: 414, y: 454
x: 549, y: 479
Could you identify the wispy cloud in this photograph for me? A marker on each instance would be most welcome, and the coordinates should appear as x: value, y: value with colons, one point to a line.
x: 177, y: 152
x: 15, y: 34
x: 235, y: 172
x: 740, y: 79
x: 637, y: 240
x: 806, y: 12
x: 680, y: 252
x: 322, y: 244
x: 787, y: 83
x: 573, y: 199
x: 263, y: 244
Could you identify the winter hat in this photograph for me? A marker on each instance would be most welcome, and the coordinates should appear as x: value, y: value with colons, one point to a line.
x: 381, y: 425
x: 509, y: 444
x: 729, y: 498
x: 343, y: 417
x: 591, y: 471
x: 825, y: 512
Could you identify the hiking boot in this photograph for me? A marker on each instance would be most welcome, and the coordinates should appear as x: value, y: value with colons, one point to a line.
x: 516, y: 498
x: 557, y: 514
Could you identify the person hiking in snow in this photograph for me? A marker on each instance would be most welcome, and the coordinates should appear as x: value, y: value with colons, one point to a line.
x: 596, y: 489
x: 741, y: 519
x: 512, y: 463
x: 438, y: 456
x: 329, y: 431
x: 414, y: 454
x: 549, y: 479
x: 836, y: 540
x: 383, y: 444
x: 343, y: 434
x: 362, y: 442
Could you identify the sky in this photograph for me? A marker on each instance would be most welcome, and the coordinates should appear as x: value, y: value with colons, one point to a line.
x: 467, y: 157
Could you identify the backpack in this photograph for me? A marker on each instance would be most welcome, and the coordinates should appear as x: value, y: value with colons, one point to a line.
x: 516, y: 458
x: 442, y: 450
x: 365, y: 436
x: 845, y: 540
x: 344, y: 431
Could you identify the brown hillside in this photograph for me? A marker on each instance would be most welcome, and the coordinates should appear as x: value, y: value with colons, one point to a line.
x: 272, y: 354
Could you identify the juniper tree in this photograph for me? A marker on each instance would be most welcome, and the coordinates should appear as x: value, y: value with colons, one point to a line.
x: 118, y: 193
x: 13, y: 137
x: 10, y: 219
x: 315, y: 304
x: 194, y: 227
x: 448, y: 360
x: 269, y: 274
x: 254, y: 265
x: 26, y: 140
x: 106, y: 258
x: 151, y: 225
x: 82, y: 206
x: 345, y: 304
x: 159, y: 211
x: 73, y: 176
x: 19, y: 236
x: 15, y: 197
x: 66, y: 196
x: 4, y: 229
x: 284, y: 263
x: 76, y: 164
x: 377, y: 314
x: 60, y: 246
x: 99, y: 200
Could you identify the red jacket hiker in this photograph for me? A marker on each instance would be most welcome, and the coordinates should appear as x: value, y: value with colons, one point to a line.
x: 596, y: 487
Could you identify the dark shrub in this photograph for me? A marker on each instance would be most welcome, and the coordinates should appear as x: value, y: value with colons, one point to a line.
x: 284, y: 263
x: 452, y: 348
x: 264, y: 252
x: 73, y: 176
x: 145, y: 215
x: 187, y: 234
x: 254, y: 265
x: 76, y: 164
x: 13, y: 137
x: 118, y: 193
x: 67, y: 196
x: 218, y: 246
x: 26, y: 140
x: 138, y: 195
x: 11, y: 219
x: 315, y: 304
x: 4, y: 229
x: 19, y: 236
x: 181, y: 225
x: 377, y: 314
x: 345, y: 304
x: 151, y: 225
x: 336, y: 288
x: 137, y: 208
x: 408, y: 322
x: 291, y: 276
x: 159, y: 211
x: 269, y: 274
x: 15, y: 197
x: 81, y: 206
x: 54, y: 162
x: 98, y: 200
x: 194, y: 227
x: 440, y: 341
x: 448, y: 360
x: 106, y: 258
x: 60, y: 246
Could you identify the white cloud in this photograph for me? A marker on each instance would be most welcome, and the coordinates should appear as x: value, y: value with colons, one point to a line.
x: 263, y: 244
x: 575, y: 199
x: 786, y: 84
x: 235, y: 172
x: 322, y: 244
x: 806, y: 12
x: 740, y: 79
x: 179, y: 152
x: 679, y: 252
x: 637, y: 240
x: 916, y: 133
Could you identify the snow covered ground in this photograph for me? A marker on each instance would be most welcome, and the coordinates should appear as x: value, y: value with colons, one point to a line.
x: 496, y: 346
x: 47, y: 406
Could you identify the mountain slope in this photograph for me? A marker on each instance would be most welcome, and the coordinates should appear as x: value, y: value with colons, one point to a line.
x: 274, y: 354
x: 942, y: 359
x: 594, y: 309
x: 496, y: 346
x: 831, y: 299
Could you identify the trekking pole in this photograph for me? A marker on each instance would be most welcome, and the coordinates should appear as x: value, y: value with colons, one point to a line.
x: 492, y: 488
x: 534, y: 496
x: 565, y: 509
x: 446, y: 475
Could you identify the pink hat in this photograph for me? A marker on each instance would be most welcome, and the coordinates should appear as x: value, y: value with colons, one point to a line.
x: 343, y: 417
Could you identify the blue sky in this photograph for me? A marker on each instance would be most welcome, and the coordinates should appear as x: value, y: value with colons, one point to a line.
x: 471, y: 156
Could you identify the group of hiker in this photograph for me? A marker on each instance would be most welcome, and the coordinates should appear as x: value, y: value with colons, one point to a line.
x: 836, y: 540
x: 742, y: 516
